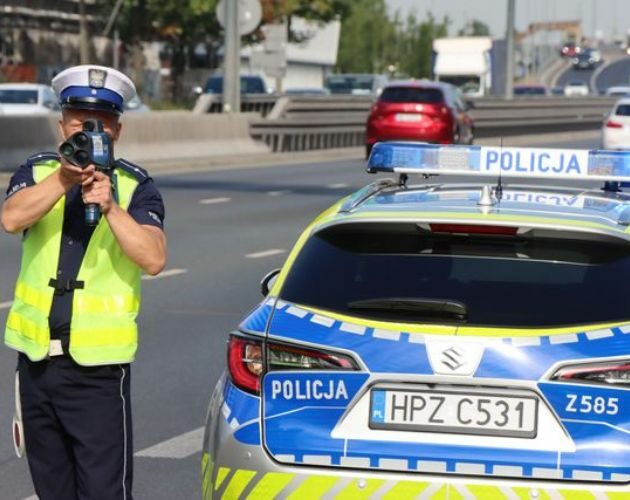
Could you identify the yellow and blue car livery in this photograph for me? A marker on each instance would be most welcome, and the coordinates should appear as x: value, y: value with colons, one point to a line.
x: 415, y: 397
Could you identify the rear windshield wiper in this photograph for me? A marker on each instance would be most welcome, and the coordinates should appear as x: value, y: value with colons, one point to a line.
x: 439, y: 308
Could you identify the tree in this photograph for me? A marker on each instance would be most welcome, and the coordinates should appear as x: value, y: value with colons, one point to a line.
x: 417, y: 44
x: 475, y: 28
x: 186, y: 23
x: 367, y: 37
x: 372, y: 42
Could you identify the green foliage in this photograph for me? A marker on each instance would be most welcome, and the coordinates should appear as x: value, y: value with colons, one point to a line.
x: 316, y: 10
x: 195, y: 19
x: 367, y: 36
x: 149, y: 19
x: 372, y: 42
x: 475, y: 28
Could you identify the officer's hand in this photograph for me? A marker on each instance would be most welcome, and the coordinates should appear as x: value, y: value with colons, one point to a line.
x: 72, y: 175
x: 99, y: 191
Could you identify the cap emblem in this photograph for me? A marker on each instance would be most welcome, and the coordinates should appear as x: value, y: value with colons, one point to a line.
x: 97, y: 78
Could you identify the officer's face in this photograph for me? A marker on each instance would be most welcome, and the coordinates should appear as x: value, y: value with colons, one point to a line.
x: 72, y: 122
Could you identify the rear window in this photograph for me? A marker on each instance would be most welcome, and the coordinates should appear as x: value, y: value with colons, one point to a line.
x: 411, y: 94
x: 12, y: 96
x: 623, y: 110
x: 502, y: 282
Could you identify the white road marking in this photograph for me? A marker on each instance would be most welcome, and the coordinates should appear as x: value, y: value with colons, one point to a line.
x: 214, y: 201
x: 6, y: 305
x: 32, y: 497
x: 165, y: 274
x: 181, y: 446
x: 339, y: 185
x: 278, y: 193
x: 265, y: 253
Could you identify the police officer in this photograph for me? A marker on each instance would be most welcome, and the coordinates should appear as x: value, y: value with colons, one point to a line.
x: 77, y: 296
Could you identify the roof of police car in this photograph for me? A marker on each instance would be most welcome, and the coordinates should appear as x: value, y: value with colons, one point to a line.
x: 518, y: 204
x: 507, y: 186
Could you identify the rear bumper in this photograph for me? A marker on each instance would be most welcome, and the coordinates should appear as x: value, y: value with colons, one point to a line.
x: 232, y: 469
x: 442, y: 134
x: 615, y: 139
x: 244, y: 471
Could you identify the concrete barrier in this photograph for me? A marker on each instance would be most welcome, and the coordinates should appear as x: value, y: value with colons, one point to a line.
x: 155, y: 138
x: 23, y: 136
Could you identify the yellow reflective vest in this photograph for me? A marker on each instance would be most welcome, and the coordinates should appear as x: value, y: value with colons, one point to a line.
x: 103, y: 327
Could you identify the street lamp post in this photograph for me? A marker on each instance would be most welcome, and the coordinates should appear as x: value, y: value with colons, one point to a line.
x: 84, y: 52
x: 509, y: 63
x: 232, y: 59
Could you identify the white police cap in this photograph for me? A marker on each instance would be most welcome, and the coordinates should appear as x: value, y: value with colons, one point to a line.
x: 93, y: 87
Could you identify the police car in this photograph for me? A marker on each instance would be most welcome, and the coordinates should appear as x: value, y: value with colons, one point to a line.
x: 440, y: 341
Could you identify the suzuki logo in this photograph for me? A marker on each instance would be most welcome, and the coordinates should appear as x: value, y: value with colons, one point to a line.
x: 453, y: 358
x: 450, y: 355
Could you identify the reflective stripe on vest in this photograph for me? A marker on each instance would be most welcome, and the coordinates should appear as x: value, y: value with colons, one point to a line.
x: 103, y: 325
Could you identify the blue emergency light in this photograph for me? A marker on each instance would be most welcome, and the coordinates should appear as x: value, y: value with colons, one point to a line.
x: 550, y: 163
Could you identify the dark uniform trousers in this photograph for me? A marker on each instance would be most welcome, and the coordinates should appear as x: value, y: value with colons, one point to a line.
x: 77, y: 429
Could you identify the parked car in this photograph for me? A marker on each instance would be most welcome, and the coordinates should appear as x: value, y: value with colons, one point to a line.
x: 356, y: 84
x: 534, y: 90
x: 135, y: 104
x: 420, y: 111
x: 27, y: 99
x: 438, y: 341
x: 576, y: 88
x: 616, y: 126
x: 250, y: 84
x: 307, y: 91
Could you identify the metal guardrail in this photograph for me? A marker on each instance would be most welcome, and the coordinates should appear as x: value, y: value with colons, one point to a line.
x: 250, y: 103
x: 319, y: 122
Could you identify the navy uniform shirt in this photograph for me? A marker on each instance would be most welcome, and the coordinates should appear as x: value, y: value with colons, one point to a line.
x: 146, y: 207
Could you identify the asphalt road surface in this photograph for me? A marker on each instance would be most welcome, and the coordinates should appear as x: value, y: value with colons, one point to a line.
x: 226, y: 229
x: 600, y: 78
x: 576, y: 75
x: 616, y: 73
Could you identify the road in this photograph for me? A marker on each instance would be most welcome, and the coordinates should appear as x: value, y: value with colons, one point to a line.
x: 599, y: 79
x: 575, y: 75
x: 617, y: 73
x: 226, y: 229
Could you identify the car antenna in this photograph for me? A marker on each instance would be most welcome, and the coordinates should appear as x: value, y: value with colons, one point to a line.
x: 611, y: 187
x: 402, y: 180
x: 498, y: 191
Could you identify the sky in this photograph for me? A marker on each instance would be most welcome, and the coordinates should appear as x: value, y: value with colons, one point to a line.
x: 610, y: 16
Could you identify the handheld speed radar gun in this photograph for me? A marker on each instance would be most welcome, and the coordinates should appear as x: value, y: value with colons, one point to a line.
x: 90, y: 146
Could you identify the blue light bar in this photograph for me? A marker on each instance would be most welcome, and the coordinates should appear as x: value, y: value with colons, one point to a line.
x: 550, y: 163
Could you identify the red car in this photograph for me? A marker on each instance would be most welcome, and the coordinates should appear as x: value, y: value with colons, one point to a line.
x: 570, y: 50
x: 420, y: 111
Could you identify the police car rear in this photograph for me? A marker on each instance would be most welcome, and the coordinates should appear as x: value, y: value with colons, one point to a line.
x: 445, y: 341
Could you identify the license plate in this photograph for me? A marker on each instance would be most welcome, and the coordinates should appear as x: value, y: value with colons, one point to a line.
x: 408, y: 117
x: 454, y: 412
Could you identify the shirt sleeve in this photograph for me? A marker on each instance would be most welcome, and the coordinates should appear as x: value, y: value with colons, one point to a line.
x: 22, y: 178
x: 146, y: 206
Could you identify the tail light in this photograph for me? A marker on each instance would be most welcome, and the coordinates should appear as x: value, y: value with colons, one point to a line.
x: 615, y: 373
x: 246, y: 364
x: 612, y: 124
x: 473, y: 229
